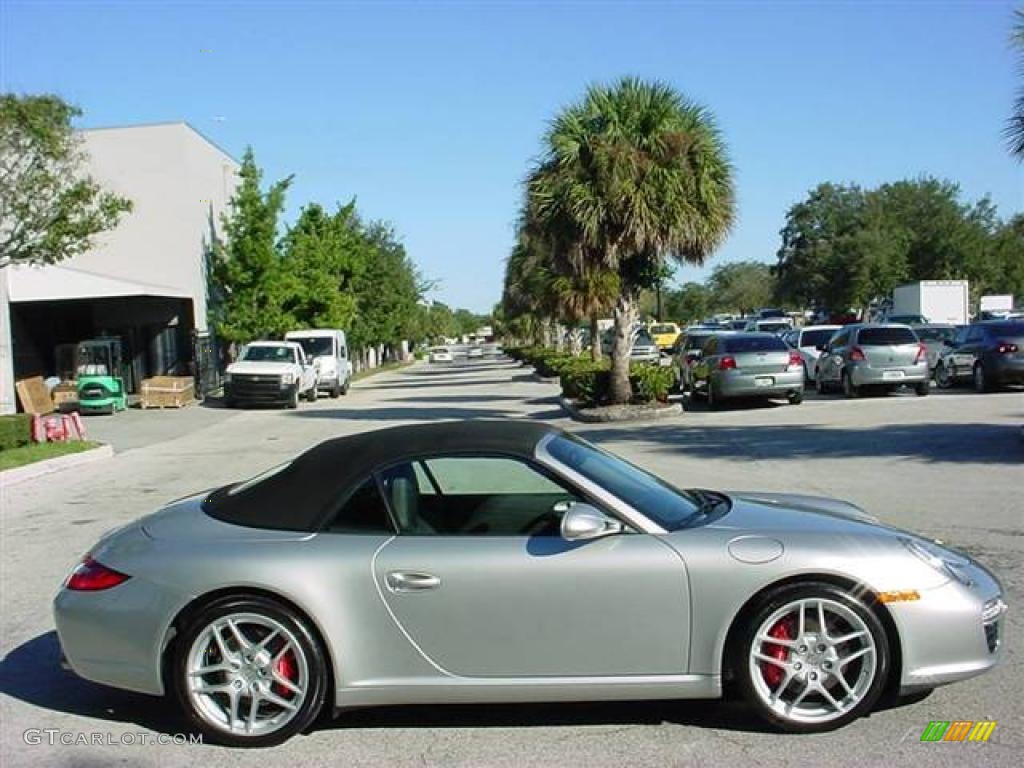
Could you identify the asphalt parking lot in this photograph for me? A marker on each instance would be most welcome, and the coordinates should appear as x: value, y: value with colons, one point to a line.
x: 950, y: 466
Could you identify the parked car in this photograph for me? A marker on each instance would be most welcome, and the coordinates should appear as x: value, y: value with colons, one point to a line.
x: 882, y: 355
x: 474, y: 353
x: 268, y: 372
x: 747, y: 365
x: 327, y: 350
x: 775, y: 325
x: 906, y: 319
x: 688, y: 350
x: 739, y: 324
x: 936, y: 337
x: 664, y: 334
x: 807, y: 341
x: 767, y: 313
x: 644, y: 350
x: 441, y: 355
x: 509, y: 561
x: 990, y: 353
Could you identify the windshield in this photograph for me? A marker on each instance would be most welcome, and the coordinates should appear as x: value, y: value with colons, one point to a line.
x: 662, y: 329
x: 817, y: 338
x: 739, y: 344
x: 774, y: 327
x: 772, y: 313
x: 317, y: 346
x: 884, y: 336
x: 262, y: 354
x: 643, y: 339
x: 667, y: 506
x: 697, y: 342
x: 936, y: 334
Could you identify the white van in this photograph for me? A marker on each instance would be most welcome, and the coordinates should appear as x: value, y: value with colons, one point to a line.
x: 328, y: 352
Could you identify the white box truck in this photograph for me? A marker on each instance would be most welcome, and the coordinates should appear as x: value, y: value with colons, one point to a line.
x: 995, y: 305
x: 931, y: 301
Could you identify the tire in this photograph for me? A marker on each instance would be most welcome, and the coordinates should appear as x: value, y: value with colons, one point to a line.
x: 311, y: 395
x: 795, y: 397
x: 345, y: 386
x: 789, y: 685
x: 714, y: 401
x: 293, y: 399
x: 820, y: 385
x: 943, y: 378
x: 849, y: 388
x: 923, y: 389
x: 293, y: 656
x: 981, y: 380
x: 336, y: 391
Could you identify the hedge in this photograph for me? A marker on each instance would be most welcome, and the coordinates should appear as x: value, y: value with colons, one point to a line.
x: 15, y: 431
x: 590, y: 382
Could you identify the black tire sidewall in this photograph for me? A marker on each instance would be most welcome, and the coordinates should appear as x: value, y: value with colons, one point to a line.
x: 771, y: 603
x: 315, y: 656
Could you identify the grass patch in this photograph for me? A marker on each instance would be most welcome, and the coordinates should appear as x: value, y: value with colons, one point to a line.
x: 29, y: 454
x: 367, y: 372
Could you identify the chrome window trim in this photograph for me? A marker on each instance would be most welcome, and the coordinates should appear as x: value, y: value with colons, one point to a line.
x: 635, y: 518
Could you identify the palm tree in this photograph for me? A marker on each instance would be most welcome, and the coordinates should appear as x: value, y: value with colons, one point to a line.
x: 586, y: 293
x: 1015, y: 125
x: 633, y: 174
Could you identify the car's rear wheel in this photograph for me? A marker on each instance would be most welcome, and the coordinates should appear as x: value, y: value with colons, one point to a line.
x: 311, y: 395
x: 812, y: 658
x: 820, y: 385
x: 713, y: 398
x: 981, y: 382
x: 923, y: 389
x: 943, y: 378
x: 795, y: 397
x: 249, y: 672
x: 850, y: 389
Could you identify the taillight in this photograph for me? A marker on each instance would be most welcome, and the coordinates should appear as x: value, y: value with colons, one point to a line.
x: 727, y: 363
x: 857, y: 354
x: 795, y: 361
x: 91, y: 576
x: 1006, y: 347
x: 922, y: 354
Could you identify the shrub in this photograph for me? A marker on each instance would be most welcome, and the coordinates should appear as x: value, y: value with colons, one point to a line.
x: 15, y: 430
x: 651, y: 382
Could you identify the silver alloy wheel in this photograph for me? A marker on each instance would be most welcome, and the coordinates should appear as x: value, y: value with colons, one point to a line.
x: 820, y: 667
x: 942, y: 378
x: 247, y: 674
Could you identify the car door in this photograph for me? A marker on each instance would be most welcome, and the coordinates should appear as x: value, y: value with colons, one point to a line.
x: 831, y: 361
x: 968, y: 352
x: 480, y: 580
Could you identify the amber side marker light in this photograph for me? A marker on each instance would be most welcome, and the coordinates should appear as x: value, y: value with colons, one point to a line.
x: 904, y: 596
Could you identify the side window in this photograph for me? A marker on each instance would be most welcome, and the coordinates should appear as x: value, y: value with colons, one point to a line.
x: 711, y: 347
x: 839, y: 340
x: 363, y: 512
x: 474, y: 496
x: 974, y: 334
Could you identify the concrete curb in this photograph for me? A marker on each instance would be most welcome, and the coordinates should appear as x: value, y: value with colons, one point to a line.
x: 17, y: 475
x: 607, y: 414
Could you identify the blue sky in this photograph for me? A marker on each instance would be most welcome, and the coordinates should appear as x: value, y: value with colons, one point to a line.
x: 430, y: 113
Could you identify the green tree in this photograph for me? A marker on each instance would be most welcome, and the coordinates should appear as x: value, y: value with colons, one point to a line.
x: 632, y: 175
x: 50, y: 209
x: 742, y: 286
x: 248, y: 276
x: 690, y: 304
x: 323, y: 255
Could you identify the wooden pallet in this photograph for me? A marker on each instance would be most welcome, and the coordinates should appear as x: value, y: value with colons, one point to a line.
x: 167, y: 392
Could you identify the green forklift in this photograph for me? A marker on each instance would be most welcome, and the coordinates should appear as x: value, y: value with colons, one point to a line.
x: 101, y: 385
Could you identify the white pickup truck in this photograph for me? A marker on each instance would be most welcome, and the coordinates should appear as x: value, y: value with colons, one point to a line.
x: 270, y: 372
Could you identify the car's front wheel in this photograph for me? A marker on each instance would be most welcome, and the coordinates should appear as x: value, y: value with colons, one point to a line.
x: 850, y: 389
x: 248, y: 672
x: 981, y: 382
x: 812, y: 657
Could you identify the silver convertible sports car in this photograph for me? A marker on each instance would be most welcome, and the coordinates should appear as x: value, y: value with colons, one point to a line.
x: 508, y: 561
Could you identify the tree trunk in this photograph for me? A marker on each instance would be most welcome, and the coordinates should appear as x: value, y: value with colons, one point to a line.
x: 595, y: 339
x: 624, y: 315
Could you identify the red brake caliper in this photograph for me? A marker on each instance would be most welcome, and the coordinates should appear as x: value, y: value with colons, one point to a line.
x: 783, y: 630
x: 285, y: 667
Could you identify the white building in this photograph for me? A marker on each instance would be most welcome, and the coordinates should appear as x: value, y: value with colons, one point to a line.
x: 145, y: 281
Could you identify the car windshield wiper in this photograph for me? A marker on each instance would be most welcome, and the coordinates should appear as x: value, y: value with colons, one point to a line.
x: 707, y: 501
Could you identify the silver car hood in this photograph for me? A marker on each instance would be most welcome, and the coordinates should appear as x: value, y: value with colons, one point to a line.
x: 775, y: 511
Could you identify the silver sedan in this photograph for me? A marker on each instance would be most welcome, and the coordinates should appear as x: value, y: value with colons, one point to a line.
x: 508, y: 561
x: 748, y: 365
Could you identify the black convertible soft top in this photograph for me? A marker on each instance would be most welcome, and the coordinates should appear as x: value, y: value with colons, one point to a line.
x: 302, y: 495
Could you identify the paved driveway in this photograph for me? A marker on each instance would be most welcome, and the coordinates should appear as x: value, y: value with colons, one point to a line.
x: 949, y: 466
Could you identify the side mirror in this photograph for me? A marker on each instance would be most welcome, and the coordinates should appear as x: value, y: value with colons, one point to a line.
x: 582, y: 522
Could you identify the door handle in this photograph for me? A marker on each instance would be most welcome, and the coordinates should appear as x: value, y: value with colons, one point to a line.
x: 399, y: 581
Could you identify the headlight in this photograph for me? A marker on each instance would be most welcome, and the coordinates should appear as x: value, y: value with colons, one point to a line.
x: 287, y: 378
x: 942, y: 560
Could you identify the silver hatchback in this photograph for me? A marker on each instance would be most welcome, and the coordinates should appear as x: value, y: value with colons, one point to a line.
x: 748, y: 365
x: 885, y: 355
